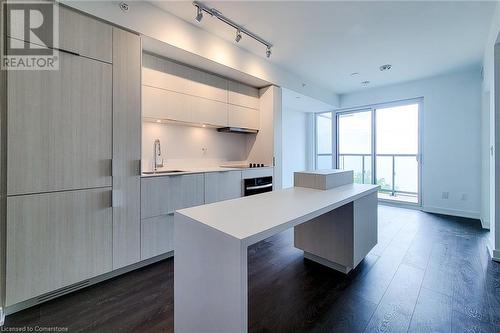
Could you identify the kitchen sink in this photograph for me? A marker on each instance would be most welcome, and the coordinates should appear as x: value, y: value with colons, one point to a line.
x: 161, y: 171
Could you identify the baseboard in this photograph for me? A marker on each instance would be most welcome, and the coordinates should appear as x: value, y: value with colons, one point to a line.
x: 393, y: 203
x: 495, y: 254
x: 452, y: 212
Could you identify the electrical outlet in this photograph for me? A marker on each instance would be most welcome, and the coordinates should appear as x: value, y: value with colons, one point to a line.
x: 445, y: 195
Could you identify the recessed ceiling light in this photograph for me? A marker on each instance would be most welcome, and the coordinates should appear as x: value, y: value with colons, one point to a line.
x: 158, y: 120
x: 354, y: 74
x: 203, y: 125
x: 385, y: 67
x: 365, y: 83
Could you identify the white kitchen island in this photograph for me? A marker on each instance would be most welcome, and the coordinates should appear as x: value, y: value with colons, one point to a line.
x: 211, y: 241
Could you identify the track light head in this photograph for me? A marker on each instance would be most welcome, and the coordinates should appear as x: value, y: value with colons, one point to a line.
x: 199, y: 14
x: 268, y: 51
x: 238, y: 36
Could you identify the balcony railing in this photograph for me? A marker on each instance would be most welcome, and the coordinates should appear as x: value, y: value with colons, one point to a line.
x: 365, y: 177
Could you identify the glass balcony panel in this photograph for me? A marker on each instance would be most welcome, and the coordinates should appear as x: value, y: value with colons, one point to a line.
x: 406, y: 177
x: 384, y: 172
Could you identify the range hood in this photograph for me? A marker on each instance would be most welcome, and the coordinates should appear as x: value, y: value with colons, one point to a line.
x: 237, y: 130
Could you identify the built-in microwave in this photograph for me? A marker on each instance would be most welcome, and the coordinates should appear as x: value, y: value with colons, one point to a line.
x: 257, y: 185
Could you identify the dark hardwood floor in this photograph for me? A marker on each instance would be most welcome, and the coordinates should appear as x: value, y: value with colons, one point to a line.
x: 428, y: 273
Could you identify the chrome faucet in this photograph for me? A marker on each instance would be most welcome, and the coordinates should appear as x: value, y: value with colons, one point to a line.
x: 158, y: 160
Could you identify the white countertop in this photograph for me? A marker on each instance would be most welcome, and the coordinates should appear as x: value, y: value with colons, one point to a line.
x: 257, y: 217
x: 186, y: 171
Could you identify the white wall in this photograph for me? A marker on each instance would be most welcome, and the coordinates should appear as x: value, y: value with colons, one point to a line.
x: 151, y: 21
x: 294, y: 144
x: 450, y: 136
x: 182, y: 146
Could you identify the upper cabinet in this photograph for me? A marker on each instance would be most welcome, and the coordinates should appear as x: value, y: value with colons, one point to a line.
x: 82, y: 35
x: 173, y: 91
x: 242, y: 95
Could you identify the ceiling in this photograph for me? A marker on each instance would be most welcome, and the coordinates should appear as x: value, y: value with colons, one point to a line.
x: 326, y: 41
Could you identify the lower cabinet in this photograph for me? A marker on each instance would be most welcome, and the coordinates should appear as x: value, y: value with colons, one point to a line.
x: 57, y: 239
x: 221, y: 186
x: 157, y: 235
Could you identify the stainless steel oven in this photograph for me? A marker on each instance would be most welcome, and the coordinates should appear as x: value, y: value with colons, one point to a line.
x: 258, y: 185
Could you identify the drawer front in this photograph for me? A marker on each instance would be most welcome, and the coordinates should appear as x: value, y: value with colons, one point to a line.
x: 165, y: 194
x: 55, y: 240
x: 185, y: 191
x: 154, y: 196
x: 221, y: 186
x: 157, y: 236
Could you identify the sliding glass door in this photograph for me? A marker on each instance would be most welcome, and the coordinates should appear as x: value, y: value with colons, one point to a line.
x: 397, y: 162
x: 381, y: 145
x: 355, y: 144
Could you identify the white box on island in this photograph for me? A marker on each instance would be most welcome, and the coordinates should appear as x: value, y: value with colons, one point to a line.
x: 323, y: 179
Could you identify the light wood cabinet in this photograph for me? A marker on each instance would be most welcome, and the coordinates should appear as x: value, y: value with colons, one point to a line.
x: 59, y: 127
x: 85, y: 35
x: 154, y: 196
x: 126, y: 147
x: 56, y: 239
x: 222, y: 186
x: 239, y: 116
x: 163, y: 195
x: 157, y: 235
x: 81, y: 34
x: 185, y: 191
x: 243, y: 95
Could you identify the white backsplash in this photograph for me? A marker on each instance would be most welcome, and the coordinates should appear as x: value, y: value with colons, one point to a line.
x: 191, y: 147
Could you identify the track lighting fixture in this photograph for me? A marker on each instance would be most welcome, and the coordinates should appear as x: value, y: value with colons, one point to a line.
x: 200, y: 8
x: 268, y: 51
x: 199, y: 14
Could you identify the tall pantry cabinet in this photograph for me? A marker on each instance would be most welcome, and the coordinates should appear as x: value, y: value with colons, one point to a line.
x: 72, y: 160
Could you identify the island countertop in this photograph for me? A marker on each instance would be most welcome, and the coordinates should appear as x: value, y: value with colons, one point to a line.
x: 254, y: 218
